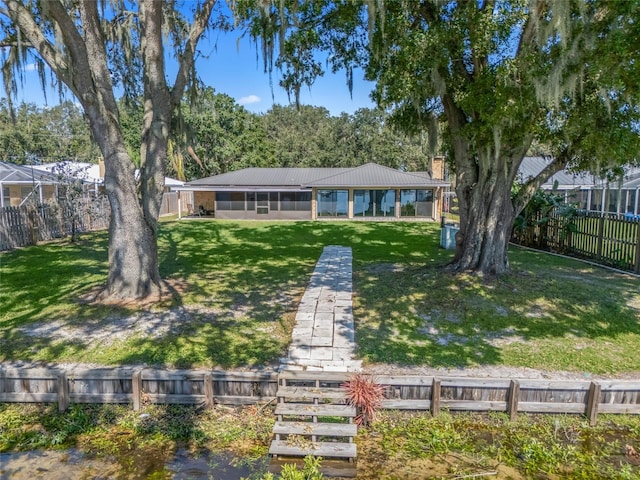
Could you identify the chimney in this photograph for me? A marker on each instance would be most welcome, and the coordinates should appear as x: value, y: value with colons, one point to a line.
x: 101, y: 167
x: 437, y: 168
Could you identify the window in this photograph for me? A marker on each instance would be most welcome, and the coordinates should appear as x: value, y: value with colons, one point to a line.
x: 596, y: 200
x: 416, y: 203
x: 374, y: 203
x: 230, y: 200
x: 25, y: 192
x: 273, y: 201
x: 287, y: 201
x: 6, y: 197
x: 332, y: 203
x: 612, y: 197
x: 631, y: 201
x: 299, y: 201
x: 263, y: 203
x: 578, y: 198
x: 237, y: 201
x: 223, y: 201
x: 251, y: 201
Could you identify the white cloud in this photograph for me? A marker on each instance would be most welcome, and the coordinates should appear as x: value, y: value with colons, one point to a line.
x: 249, y: 99
x: 30, y: 67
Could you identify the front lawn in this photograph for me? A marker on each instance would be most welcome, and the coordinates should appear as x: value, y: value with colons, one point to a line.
x: 238, y: 285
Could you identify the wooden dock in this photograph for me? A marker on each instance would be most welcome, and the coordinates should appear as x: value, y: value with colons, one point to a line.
x: 314, y: 419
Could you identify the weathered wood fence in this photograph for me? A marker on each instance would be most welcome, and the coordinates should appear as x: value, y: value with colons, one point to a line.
x: 30, y: 224
x: 608, y: 239
x: 196, y: 387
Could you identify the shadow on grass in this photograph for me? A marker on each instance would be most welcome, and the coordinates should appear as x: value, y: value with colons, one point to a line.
x: 242, y: 283
x: 548, y: 313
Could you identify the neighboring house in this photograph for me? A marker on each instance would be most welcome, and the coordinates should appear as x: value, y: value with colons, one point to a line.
x: 42, y: 183
x: 91, y: 174
x: 588, y: 192
x: 369, y: 191
x: 21, y: 183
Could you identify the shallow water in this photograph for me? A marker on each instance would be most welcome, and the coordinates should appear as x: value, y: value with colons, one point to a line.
x: 75, y: 465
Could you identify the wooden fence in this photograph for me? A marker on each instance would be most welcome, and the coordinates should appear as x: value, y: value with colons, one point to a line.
x: 608, y: 239
x: 196, y: 387
x: 30, y: 224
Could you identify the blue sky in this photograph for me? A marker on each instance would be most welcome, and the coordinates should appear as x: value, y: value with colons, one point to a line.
x: 232, y: 67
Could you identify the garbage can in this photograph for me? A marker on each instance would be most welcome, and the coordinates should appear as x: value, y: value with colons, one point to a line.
x: 448, y: 237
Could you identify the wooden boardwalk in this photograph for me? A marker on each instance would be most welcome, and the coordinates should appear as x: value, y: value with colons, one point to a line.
x: 314, y: 419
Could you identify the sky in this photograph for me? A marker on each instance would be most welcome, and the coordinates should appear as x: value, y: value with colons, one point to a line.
x: 232, y: 67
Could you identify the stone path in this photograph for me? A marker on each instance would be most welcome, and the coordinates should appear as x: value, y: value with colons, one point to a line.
x: 324, y: 336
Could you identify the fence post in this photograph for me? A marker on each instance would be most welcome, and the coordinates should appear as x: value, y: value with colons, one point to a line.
x: 435, y: 397
x: 600, y: 238
x: 136, y: 382
x: 208, y: 388
x: 636, y: 267
x: 592, y: 402
x: 63, y: 392
x: 514, y: 398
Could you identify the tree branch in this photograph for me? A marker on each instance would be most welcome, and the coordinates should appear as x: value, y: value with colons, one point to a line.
x: 533, y: 184
x: 187, y: 59
x: 24, y: 20
x: 529, y: 30
x: 95, y: 47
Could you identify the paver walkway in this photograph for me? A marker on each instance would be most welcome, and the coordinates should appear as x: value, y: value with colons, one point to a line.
x: 324, y: 336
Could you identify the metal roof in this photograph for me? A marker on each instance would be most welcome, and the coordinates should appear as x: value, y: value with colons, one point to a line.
x: 88, y: 172
x: 532, y: 166
x: 23, y: 174
x: 368, y: 175
x: 374, y: 175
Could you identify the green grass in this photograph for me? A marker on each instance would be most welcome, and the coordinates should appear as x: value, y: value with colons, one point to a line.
x: 239, y: 283
x: 397, y: 445
x: 406, y: 445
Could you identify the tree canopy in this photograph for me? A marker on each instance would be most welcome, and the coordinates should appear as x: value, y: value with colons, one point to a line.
x: 94, y: 48
x: 497, y: 75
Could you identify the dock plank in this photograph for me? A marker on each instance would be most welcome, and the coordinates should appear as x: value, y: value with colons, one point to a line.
x: 311, y: 428
x: 309, y: 393
x: 318, y: 449
x: 322, y: 410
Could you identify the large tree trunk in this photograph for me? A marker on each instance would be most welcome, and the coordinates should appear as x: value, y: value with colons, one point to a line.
x: 133, y: 252
x: 78, y: 56
x: 484, y: 180
x: 486, y: 221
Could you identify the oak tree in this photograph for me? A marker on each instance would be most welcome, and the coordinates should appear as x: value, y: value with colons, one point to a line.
x: 496, y: 75
x: 94, y: 48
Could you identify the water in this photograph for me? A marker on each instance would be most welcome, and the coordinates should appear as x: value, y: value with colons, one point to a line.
x: 75, y: 465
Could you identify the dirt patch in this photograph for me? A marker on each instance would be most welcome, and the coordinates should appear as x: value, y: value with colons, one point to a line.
x: 53, y: 465
x: 116, y: 328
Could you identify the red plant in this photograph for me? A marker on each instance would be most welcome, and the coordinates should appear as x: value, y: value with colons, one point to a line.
x: 364, y: 394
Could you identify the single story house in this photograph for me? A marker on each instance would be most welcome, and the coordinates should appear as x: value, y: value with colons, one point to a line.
x: 21, y: 183
x: 41, y: 183
x: 588, y: 192
x: 369, y: 191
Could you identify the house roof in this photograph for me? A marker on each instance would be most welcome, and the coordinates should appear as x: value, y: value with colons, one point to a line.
x: 24, y: 174
x: 89, y: 172
x: 373, y: 175
x: 368, y: 175
x: 532, y: 166
x: 567, y: 180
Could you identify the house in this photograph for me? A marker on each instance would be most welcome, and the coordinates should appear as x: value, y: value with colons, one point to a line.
x: 42, y: 183
x: 588, y: 192
x: 21, y: 183
x: 369, y: 191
